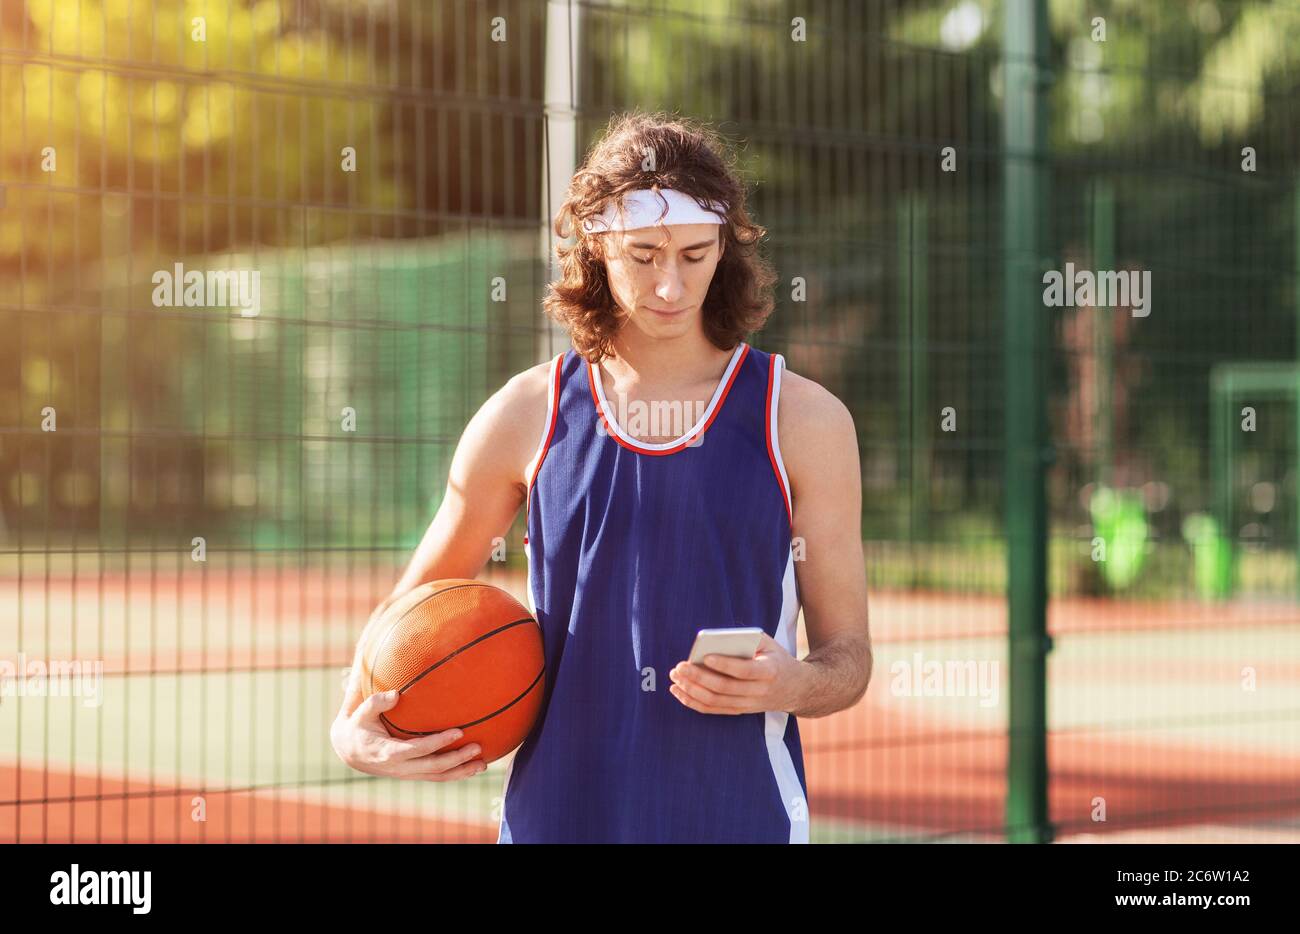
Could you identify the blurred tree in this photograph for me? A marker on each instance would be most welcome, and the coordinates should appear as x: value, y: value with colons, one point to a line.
x: 195, y: 123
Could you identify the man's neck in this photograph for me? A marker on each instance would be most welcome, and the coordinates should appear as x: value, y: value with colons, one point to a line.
x: 648, y: 362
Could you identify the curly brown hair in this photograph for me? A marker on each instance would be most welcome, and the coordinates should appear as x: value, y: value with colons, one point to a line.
x: 688, y: 157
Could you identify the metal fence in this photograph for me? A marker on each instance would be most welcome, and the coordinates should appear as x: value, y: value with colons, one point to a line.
x: 208, y: 503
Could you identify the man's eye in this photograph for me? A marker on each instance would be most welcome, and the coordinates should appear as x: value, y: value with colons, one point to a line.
x: 646, y: 262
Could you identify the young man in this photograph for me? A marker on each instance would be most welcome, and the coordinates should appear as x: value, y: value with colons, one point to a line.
x: 639, y: 534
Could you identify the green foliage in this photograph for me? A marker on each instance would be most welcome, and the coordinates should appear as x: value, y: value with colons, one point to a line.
x: 155, y: 115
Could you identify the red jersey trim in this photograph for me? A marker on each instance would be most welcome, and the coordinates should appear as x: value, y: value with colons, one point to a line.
x: 687, y: 440
x: 773, y: 442
x: 552, y: 416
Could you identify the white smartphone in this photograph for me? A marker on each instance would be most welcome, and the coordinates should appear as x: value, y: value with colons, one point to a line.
x: 738, y: 643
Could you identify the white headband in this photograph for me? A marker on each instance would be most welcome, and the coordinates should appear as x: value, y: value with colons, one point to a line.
x: 642, y: 209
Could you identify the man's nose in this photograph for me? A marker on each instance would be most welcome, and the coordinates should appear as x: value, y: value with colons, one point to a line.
x: 669, y: 286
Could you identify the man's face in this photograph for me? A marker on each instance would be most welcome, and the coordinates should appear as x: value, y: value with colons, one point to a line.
x: 660, y: 275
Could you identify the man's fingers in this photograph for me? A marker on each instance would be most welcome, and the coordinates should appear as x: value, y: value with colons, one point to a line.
x: 422, y: 746
x: 722, y: 683
x: 742, y: 669
x: 713, y: 699
x: 461, y: 771
x: 441, y: 762
x: 375, y: 704
x: 419, y: 756
x: 733, y: 667
x: 697, y: 705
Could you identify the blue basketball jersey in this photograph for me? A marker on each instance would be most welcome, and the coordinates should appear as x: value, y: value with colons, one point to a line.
x: 632, y: 548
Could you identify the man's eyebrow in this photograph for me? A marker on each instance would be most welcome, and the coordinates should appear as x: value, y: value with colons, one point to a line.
x: 655, y: 246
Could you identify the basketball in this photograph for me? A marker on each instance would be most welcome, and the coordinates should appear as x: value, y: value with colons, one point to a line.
x: 464, y: 655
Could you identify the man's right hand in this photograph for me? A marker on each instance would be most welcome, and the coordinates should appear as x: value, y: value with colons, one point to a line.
x: 361, y: 740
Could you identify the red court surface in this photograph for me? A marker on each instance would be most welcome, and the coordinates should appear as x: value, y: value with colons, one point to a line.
x: 1169, y: 761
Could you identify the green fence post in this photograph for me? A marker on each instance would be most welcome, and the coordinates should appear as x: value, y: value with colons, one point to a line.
x: 1221, y: 440
x: 1025, y: 388
x: 1103, y: 257
x: 914, y: 366
x: 1296, y: 460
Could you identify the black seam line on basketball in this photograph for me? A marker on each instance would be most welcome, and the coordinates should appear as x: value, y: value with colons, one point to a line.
x: 465, y: 726
x: 392, y: 627
x: 464, y: 648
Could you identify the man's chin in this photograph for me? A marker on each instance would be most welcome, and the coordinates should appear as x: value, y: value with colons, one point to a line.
x: 661, y: 328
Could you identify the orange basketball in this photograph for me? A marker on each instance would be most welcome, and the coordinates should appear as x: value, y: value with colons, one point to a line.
x: 463, y: 654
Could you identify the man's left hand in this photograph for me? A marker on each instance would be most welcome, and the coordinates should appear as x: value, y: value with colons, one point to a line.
x: 772, y: 680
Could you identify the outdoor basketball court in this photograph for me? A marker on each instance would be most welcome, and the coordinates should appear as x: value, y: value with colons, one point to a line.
x: 219, y: 685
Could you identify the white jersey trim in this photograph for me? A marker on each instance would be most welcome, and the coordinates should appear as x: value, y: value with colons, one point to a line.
x: 776, y: 440
x: 775, y: 721
x: 551, y: 403
x: 614, y: 426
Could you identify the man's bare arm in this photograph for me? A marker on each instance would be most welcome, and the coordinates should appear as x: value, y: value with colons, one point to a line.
x: 485, y: 488
x: 819, y: 446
